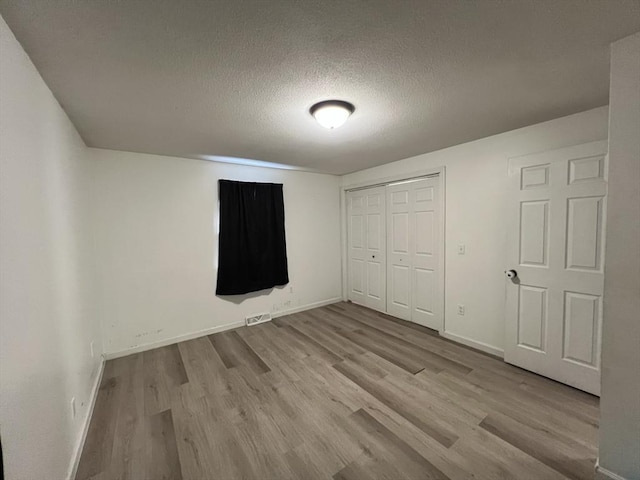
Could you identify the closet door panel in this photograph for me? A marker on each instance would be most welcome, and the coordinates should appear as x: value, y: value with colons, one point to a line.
x: 356, y: 223
x: 400, y: 235
x: 413, y: 276
x: 425, y: 257
x: 366, y: 237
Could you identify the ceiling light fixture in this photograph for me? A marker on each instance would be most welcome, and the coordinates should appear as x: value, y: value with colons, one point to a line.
x: 332, y: 113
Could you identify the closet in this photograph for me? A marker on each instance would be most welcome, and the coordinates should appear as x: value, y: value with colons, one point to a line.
x: 394, y: 254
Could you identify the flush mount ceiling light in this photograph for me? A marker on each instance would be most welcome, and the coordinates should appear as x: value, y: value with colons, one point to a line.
x: 332, y: 113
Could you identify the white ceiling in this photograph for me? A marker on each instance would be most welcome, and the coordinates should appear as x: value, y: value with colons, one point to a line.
x: 237, y: 77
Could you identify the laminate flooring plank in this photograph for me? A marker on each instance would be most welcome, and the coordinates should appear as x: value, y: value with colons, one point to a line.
x: 430, y: 388
x: 390, y: 340
x: 371, y: 319
x: 405, y: 324
x: 390, y: 334
x: 100, y: 476
x: 571, y: 462
x: 96, y: 455
x: 328, y: 322
x: 405, y: 362
x: 302, y: 469
x: 491, y: 457
x: 445, y: 459
x: 248, y: 355
x: 586, y: 406
x: 432, y: 427
x: 164, y: 462
x: 223, y: 345
x: 263, y: 460
x: 409, y: 354
x: 190, y: 421
x: 284, y: 343
x: 131, y: 432
x: 369, y: 467
x: 277, y: 357
x: 549, y: 392
x: 333, y: 389
x: 327, y: 446
x: 505, y: 390
x: 429, y: 360
x: 333, y: 342
x: 314, y: 347
x: 229, y: 458
x: 426, y: 339
x: 234, y: 351
x: 256, y: 408
x: 410, y: 463
x: 375, y: 366
x: 205, y: 369
x: 455, y: 413
x: 339, y: 320
x: 285, y: 320
x: 516, y: 406
x: 246, y: 429
x: 164, y: 372
x: 117, y: 367
x: 320, y: 457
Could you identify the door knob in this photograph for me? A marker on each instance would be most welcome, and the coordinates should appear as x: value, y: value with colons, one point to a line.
x: 511, y: 273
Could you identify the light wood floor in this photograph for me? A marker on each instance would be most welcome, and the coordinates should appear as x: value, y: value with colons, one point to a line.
x: 337, y: 392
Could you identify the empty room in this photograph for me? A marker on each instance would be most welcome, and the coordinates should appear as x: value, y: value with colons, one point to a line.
x: 318, y: 239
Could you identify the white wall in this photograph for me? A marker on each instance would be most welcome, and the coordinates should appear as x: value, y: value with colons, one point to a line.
x: 476, y: 177
x: 155, y: 224
x: 46, y: 315
x: 620, y: 400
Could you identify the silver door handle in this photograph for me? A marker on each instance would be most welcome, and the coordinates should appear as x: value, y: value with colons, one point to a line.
x: 511, y: 273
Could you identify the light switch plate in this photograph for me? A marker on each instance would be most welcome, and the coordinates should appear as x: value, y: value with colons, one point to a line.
x: 461, y: 249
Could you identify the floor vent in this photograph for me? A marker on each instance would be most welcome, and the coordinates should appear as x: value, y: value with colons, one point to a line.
x: 256, y: 319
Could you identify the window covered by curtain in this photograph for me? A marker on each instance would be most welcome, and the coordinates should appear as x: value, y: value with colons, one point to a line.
x: 252, y: 253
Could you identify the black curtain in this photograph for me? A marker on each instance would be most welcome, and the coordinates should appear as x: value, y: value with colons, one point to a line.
x: 252, y: 250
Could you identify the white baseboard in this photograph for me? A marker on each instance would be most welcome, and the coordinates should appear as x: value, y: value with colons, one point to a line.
x: 170, y: 341
x: 87, y: 421
x: 604, y: 474
x: 474, y: 344
x: 309, y: 306
x: 209, y: 331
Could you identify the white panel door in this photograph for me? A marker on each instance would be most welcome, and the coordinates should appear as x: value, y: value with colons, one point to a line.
x: 413, y: 280
x: 556, y: 245
x: 367, y: 248
x: 426, y: 289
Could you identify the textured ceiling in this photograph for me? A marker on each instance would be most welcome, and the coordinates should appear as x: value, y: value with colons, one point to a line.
x: 236, y: 78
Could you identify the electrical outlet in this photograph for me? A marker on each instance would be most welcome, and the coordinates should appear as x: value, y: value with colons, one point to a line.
x: 92, y: 350
x: 461, y: 249
x: 73, y: 407
x: 461, y: 310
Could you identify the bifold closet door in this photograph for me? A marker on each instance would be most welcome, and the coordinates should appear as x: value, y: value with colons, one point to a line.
x: 367, y: 248
x: 413, y: 277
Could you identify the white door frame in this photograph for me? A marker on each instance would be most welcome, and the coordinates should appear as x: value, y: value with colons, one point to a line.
x: 441, y: 171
